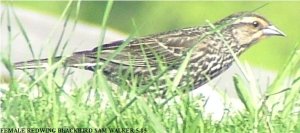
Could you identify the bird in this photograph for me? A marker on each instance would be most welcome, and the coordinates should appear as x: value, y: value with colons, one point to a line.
x: 211, y: 49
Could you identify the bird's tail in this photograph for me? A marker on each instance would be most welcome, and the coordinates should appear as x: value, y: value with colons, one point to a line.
x: 34, y: 64
x: 78, y: 59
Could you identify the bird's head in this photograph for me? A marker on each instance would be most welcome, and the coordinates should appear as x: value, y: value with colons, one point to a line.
x: 247, y: 28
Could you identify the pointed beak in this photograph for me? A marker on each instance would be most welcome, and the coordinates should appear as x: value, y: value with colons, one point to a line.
x: 272, y: 31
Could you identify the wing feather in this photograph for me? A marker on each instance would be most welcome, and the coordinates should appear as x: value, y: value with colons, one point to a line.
x: 169, y: 47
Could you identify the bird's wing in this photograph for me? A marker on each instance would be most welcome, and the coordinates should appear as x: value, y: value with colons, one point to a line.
x: 166, y: 47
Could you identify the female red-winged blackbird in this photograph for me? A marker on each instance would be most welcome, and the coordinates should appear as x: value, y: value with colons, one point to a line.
x: 143, y: 56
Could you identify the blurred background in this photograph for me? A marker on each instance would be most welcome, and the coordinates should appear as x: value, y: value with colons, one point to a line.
x: 152, y: 17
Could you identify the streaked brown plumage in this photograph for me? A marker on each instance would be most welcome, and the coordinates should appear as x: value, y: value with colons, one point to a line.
x: 143, y: 55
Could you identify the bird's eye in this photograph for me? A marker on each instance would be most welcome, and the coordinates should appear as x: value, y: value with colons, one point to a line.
x: 255, y: 24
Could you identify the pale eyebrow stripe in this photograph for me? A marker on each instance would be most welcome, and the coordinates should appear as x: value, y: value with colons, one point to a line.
x: 251, y: 19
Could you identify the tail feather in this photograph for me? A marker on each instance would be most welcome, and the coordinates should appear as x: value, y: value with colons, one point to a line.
x: 34, y: 64
x: 83, y: 59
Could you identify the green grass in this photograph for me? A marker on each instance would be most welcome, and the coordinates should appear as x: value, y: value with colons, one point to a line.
x: 41, y: 99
